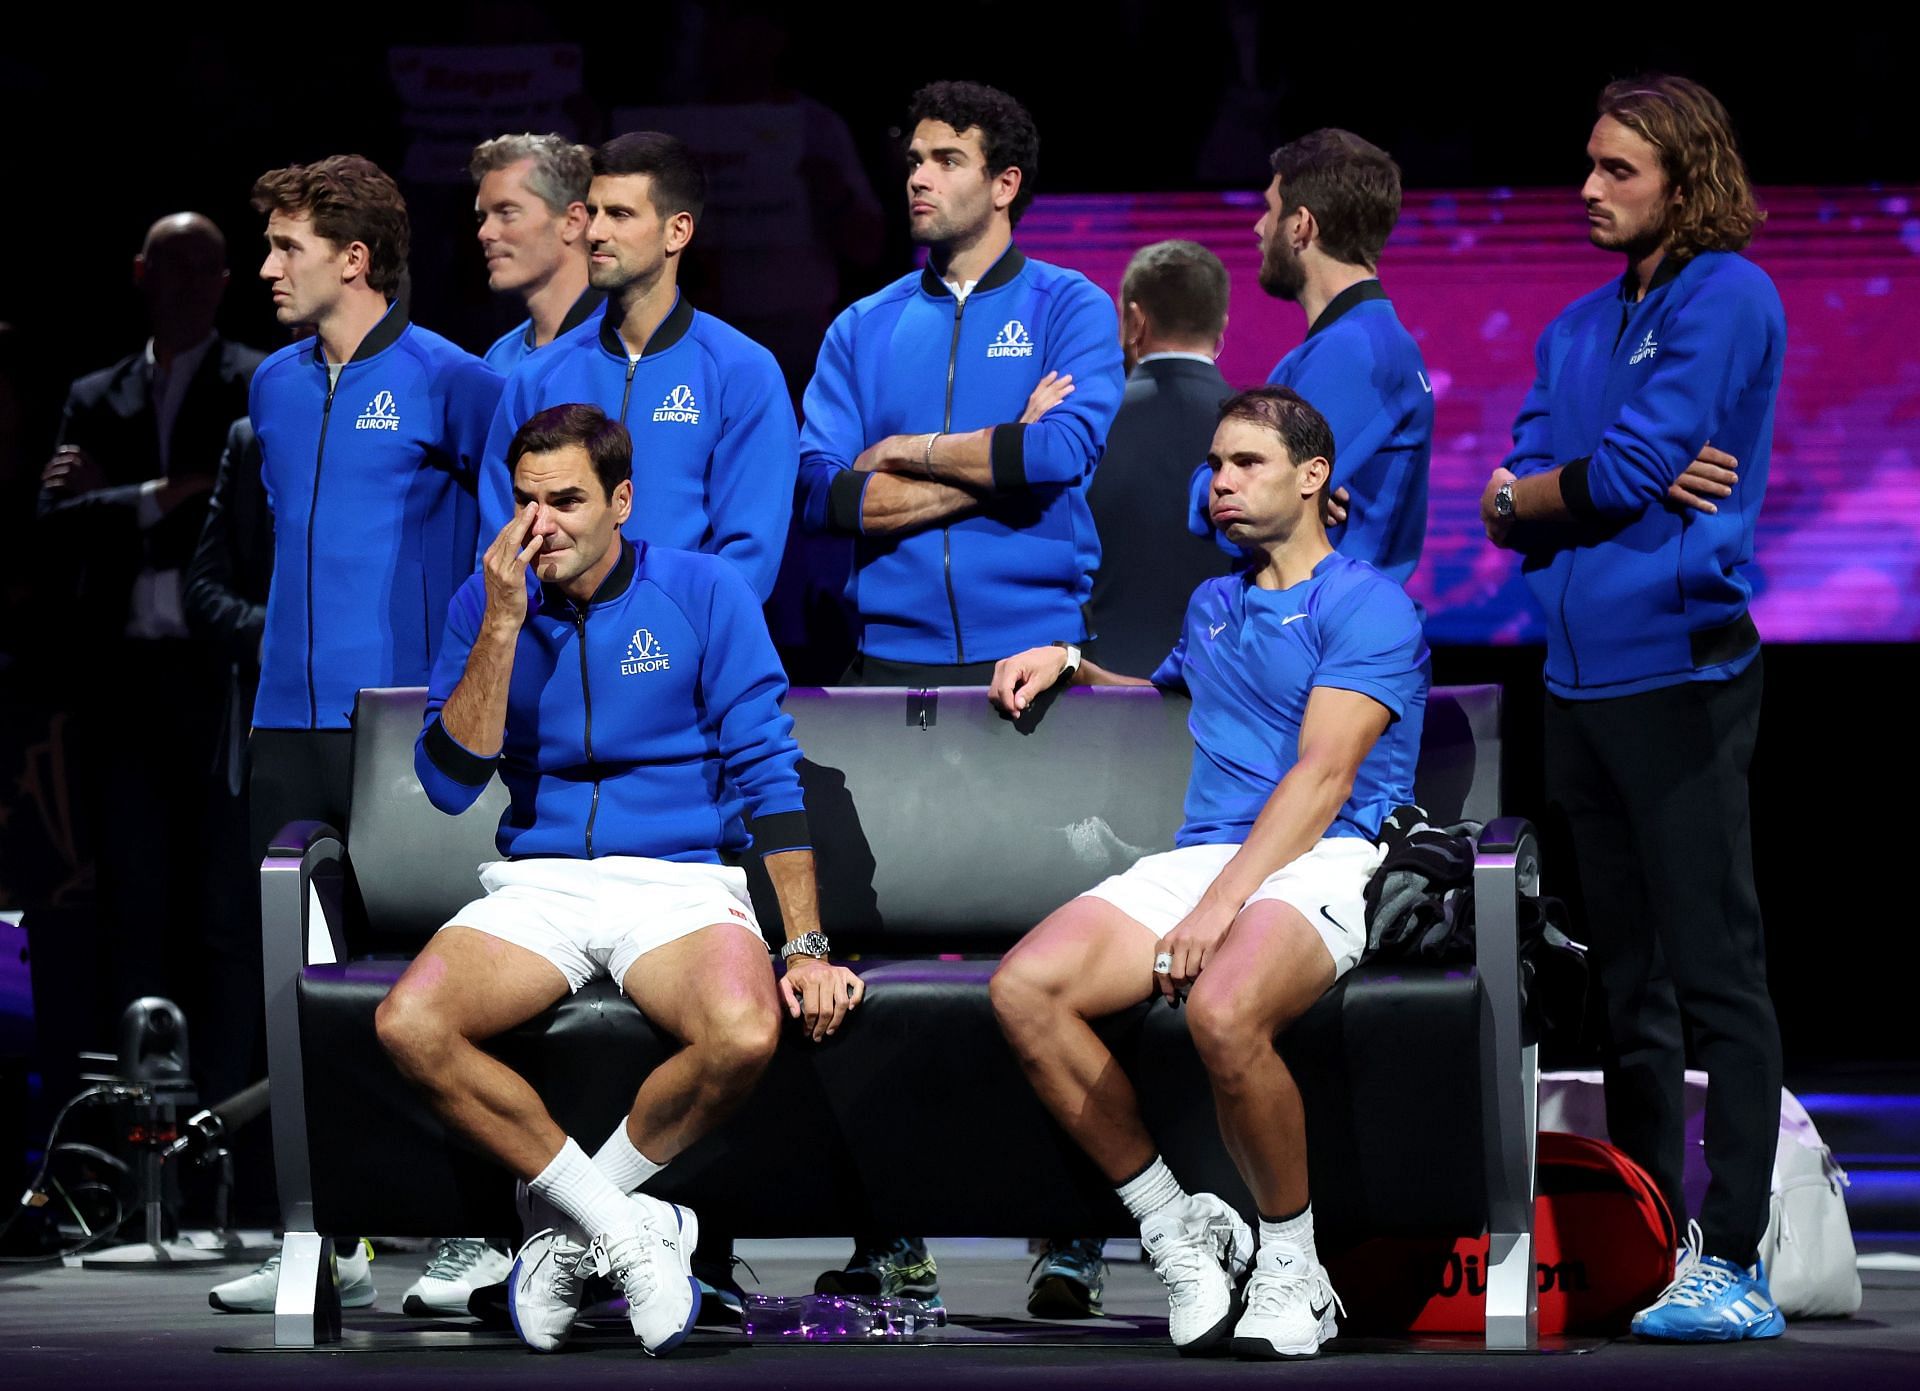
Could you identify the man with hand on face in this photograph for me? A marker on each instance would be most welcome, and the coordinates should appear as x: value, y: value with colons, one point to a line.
x: 929, y: 436
x: 613, y: 689
x: 1308, y: 676
x: 1653, y: 664
x: 531, y: 202
x: 706, y: 406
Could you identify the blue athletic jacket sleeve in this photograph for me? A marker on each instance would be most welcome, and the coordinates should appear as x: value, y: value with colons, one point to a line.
x: 1062, y: 447
x: 830, y: 493
x: 496, y: 484
x: 750, y: 474
x: 1710, y: 355
x: 472, y: 398
x: 741, y: 678
x: 1533, y: 427
x: 451, y: 775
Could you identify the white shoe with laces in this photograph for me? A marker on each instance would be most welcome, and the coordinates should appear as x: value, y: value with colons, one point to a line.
x: 651, y: 1261
x: 459, y: 1266
x: 545, y: 1289
x: 1200, y: 1248
x: 254, y: 1292
x: 1290, y: 1304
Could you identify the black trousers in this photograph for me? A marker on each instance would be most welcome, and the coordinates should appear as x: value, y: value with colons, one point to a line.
x: 879, y: 671
x: 1653, y: 792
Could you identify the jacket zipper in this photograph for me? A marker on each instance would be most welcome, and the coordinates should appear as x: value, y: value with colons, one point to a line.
x: 946, y: 533
x: 319, y: 459
x: 586, y: 697
x: 627, y: 390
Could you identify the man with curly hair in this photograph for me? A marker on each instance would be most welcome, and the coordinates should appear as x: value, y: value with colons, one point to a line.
x: 1653, y: 665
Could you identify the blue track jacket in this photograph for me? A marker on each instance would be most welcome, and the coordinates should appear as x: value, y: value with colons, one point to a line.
x: 1639, y: 594
x: 1361, y: 369
x: 910, y: 359
x: 371, y: 485
x: 516, y: 345
x: 714, y: 440
x: 641, y: 724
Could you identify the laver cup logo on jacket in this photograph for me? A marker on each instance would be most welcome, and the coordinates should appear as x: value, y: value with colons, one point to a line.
x: 679, y: 406
x: 1647, y: 349
x: 381, y: 414
x: 1012, y: 342
x: 644, y: 653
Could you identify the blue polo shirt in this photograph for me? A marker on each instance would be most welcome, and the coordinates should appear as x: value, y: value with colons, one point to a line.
x: 1250, y: 658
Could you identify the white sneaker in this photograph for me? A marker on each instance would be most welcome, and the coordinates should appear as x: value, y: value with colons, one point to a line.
x: 545, y: 1289
x: 254, y: 1292
x: 1199, y: 1249
x: 651, y: 1261
x: 1290, y: 1304
x: 460, y: 1265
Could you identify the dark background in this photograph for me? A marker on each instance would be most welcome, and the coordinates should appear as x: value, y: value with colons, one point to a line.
x: 117, y: 117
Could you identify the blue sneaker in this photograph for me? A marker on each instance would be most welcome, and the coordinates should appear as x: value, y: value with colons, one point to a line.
x: 1068, y: 1279
x: 1711, y: 1301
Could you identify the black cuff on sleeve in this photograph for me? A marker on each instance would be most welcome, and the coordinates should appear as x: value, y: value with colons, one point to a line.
x: 784, y: 830
x: 1575, y: 493
x: 467, y: 769
x: 843, y: 501
x: 1009, y: 458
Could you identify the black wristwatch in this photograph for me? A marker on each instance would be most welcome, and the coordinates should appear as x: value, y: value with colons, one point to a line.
x: 1073, y: 660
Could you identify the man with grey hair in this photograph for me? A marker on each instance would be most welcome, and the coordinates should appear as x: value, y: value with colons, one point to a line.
x: 531, y: 205
x: 1173, y: 318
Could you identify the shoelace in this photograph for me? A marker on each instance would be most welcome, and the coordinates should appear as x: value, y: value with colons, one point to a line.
x: 1688, y: 1263
x: 455, y: 1256
x: 566, y: 1268
x: 1271, y: 1288
x: 1180, y: 1264
x: 627, y: 1257
x: 1072, y: 1258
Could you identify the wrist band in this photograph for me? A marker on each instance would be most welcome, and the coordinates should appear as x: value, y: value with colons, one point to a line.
x: 926, y: 458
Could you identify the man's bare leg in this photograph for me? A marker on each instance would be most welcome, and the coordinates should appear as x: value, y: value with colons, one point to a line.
x: 1268, y: 971
x: 465, y: 987
x: 714, y: 991
x: 1086, y: 960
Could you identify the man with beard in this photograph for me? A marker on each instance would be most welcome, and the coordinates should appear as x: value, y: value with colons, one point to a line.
x: 966, y: 499
x: 1653, y: 666
x: 1330, y: 207
x: 706, y: 406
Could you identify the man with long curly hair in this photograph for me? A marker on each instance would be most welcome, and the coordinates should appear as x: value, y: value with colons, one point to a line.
x: 1653, y: 665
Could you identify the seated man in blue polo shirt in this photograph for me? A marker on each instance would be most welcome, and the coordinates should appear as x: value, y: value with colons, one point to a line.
x: 629, y: 697
x: 1308, y: 676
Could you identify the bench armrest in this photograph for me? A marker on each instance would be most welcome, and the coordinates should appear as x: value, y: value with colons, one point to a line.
x: 1506, y: 868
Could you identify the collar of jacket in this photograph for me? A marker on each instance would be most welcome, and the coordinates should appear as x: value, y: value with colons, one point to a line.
x: 582, y: 310
x: 672, y: 329
x: 554, y: 600
x: 1669, y: 269
x: 1347, y: 299
x: 1012, y: 261
x: 382, y: 336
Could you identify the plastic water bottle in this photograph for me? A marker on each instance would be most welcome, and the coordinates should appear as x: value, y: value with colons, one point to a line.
x: 834, y: 1318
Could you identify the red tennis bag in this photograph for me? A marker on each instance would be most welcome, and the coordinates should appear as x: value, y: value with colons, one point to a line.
x: 1603, y: 1246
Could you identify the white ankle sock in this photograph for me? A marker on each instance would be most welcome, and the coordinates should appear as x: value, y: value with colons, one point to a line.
x: 572, y: 1184
x: 622, y: 1163
x: 1296, y: 1232
x: 1151, y: 1190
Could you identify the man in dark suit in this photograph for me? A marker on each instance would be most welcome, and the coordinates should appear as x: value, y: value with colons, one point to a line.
x: 1173, y: 314
x: 124, y: 497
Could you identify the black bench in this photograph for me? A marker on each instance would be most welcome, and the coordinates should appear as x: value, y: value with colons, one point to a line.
x: 942, y: 832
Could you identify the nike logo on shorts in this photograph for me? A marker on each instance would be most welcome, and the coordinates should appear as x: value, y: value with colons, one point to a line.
x: 1330, y: 918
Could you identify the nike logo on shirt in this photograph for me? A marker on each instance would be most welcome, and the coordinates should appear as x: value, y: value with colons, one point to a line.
x: 1291, y: 618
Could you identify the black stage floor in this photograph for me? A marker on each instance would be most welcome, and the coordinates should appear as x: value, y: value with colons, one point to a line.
x: 84, y: 1328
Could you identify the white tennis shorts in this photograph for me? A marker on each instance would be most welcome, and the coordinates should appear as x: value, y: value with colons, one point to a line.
x: 1328, y: 885
x: 589, y: 916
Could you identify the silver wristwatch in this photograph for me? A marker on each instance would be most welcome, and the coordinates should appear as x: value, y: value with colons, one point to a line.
x: 812, y: 944
x: 1073, y: 661
x: 1503, y: 501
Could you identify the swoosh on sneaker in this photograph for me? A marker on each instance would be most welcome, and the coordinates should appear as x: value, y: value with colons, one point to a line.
x: 1320, y: 1312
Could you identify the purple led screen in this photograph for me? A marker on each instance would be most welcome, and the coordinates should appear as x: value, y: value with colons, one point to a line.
x: 1475, y: 275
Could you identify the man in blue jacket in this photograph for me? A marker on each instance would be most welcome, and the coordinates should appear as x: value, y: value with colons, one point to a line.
x: 1330, y: 207
x: 614, y: 690
x: 973, y: 537
x: 1653, y: 663
x: 370, y: 433
x: 708, y: 410
x: 530, y: 200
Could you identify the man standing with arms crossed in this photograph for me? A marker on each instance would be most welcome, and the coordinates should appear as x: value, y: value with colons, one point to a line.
x: 1653, y: 665
x: 968, y: 505
x: 370, y: 434
x: 531, y: 201
x: 707, y: 408
x: 611, y: 862
x: 1308, y: 676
